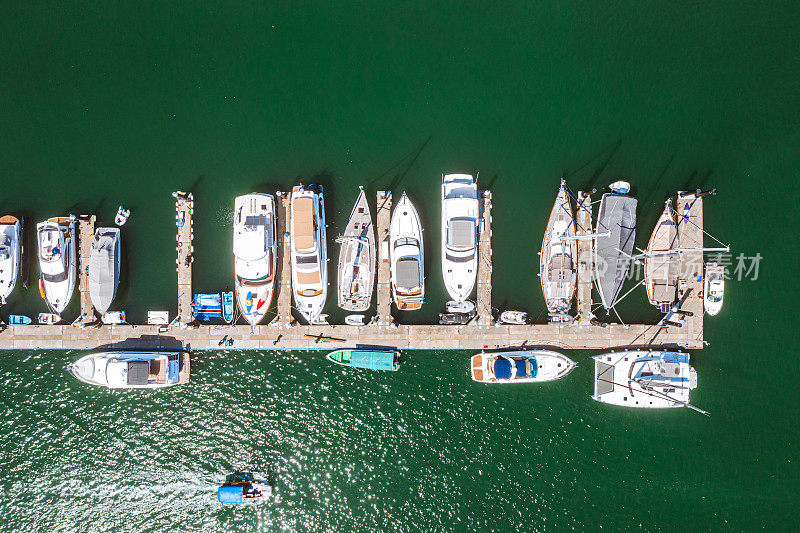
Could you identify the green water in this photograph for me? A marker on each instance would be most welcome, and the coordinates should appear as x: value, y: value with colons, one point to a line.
x: 110, y: 103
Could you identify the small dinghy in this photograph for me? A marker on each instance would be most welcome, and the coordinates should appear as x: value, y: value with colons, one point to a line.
x: 513, y: 317
x: 158, y: 318
x: 530, y: 366
x: 49, y: 318
x: 19, y: 320
x: 122, y: 216
x: 713, y: 288
x: 455, y: 318
x: 216, y: 305
x: 465, y: 306
x: 115, y: 317
x: 354, y: 320
x: 243, y: 488
x: 620, y: 187
x: 369, y: 359
x: 132, y: 370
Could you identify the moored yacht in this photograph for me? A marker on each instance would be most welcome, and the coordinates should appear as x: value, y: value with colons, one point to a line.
x: 459, y: 234
x: 10, y: 254
x: 644, y: 378
x: 104, y: 264
x: 558, y: 268
x: 356, y: 273
x: 309, y: 251
x: 615, y: 234
x: 132, y: 370
x: 662, y: 261
x: 526, y: 366
x: 254, y: 254
x: 406, y: 256
x: 56, y: 240
x: 713, y: 288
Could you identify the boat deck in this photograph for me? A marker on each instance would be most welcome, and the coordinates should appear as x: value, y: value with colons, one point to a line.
x: 86, y: 227
x: 475, y: 336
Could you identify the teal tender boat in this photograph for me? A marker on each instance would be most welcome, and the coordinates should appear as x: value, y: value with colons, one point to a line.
x: 370, y: 359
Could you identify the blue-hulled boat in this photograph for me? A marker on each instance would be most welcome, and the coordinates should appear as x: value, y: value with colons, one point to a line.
x: 217, y: 305
x: 520, y: 366
x: 369, y: 359
x: 19, y: 320
x: 243, y: 488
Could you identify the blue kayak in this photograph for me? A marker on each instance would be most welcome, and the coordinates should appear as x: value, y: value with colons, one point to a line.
x: 19, y: 320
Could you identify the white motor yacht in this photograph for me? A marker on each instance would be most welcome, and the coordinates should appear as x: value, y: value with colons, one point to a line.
x: 459, y: 234
x: 713, y: 288
x: 526, y: 366
x: 104, y: 264
x: 57, y: 260
x: 356, y: 272
x: 406, y: 256
x: 10, y: 254
x: 558, y: 267
x: 309, y: 251
x: 644, y: 378
x: 132, y: 369
x: 254, y: 258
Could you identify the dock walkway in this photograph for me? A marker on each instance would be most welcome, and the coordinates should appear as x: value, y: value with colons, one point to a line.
x: 283, y: 275
x: 86, y: 226
x: 384, y: 218
x: 585, y: 260
x: 484, y: 307
x: 184, y: 207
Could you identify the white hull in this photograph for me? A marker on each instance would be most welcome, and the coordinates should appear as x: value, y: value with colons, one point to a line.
x: 513, y: 317
x: 10, y: 255
x: 57, y: 260
x: 254, y: 257
x: 650, y: 379
x: 528, y: 366
x: 132, y: 370
x: 406, y: 256
x: 661, y: 262
x: 558, y: 268
x: 309, y: 252
x: 459, y: 235
x: 356, y: 272
x: 104, y: 266
x: 713, y: 288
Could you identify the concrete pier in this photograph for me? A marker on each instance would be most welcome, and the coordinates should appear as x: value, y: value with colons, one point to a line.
x: 484, y: 305
x: 585, y: 259
x: 280, y: 336
x: 384, y: 218
x: 283, y: 274
x: 184, y: 208
x: 86, y: 227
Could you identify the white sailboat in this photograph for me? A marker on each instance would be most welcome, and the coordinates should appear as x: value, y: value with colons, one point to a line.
x: 254, y: 258
x: 10, y: 254
x: 356, y: 272
x: 644, y: 378
x: 57, y: 260
x: 459, y: 234
x: 406, y: 256
x: 616, y: 233
x: 104, y: 264
x: 558, y: 269
x: 309, y: 251
x: 662, y: 261
x: 713, y: 288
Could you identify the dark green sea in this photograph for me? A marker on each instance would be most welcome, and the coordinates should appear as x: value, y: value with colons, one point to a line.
x: 104, y: 103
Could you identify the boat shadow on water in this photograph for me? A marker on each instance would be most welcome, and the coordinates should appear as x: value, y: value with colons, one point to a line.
x: 147, y: 342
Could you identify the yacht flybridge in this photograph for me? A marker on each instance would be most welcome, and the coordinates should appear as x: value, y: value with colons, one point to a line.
x: 309, y: 251
x: 356, y: 272
x: 662, y: 261
x: 406, y: 256
x: 10, y: 254
x: 254, y: 254
x: 616, y: 232
x: 557, y: 261
x: 57, y: 260
x: 459, y: 234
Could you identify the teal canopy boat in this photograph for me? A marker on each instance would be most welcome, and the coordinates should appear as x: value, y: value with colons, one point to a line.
x: 371, y: 359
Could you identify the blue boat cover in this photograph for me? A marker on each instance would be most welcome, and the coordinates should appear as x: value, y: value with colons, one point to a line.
x: 372, y: 360
x: 522, y: 372
x: 207, y: 306
x: 230, y: 494
x: 227, y: 306
x: 502, y: 368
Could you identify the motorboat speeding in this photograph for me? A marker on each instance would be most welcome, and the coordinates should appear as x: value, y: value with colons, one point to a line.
x: 309, y: 251
x: 526, y: 366
x: 459, y: 234
x: 10, y: 254
x: 104, y: 266
x: 132, y: 369
x: 244, y: 489
x: 406, y: 253
x: 356, y: 272
x: 254, y: 257
x: 57, y: 260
